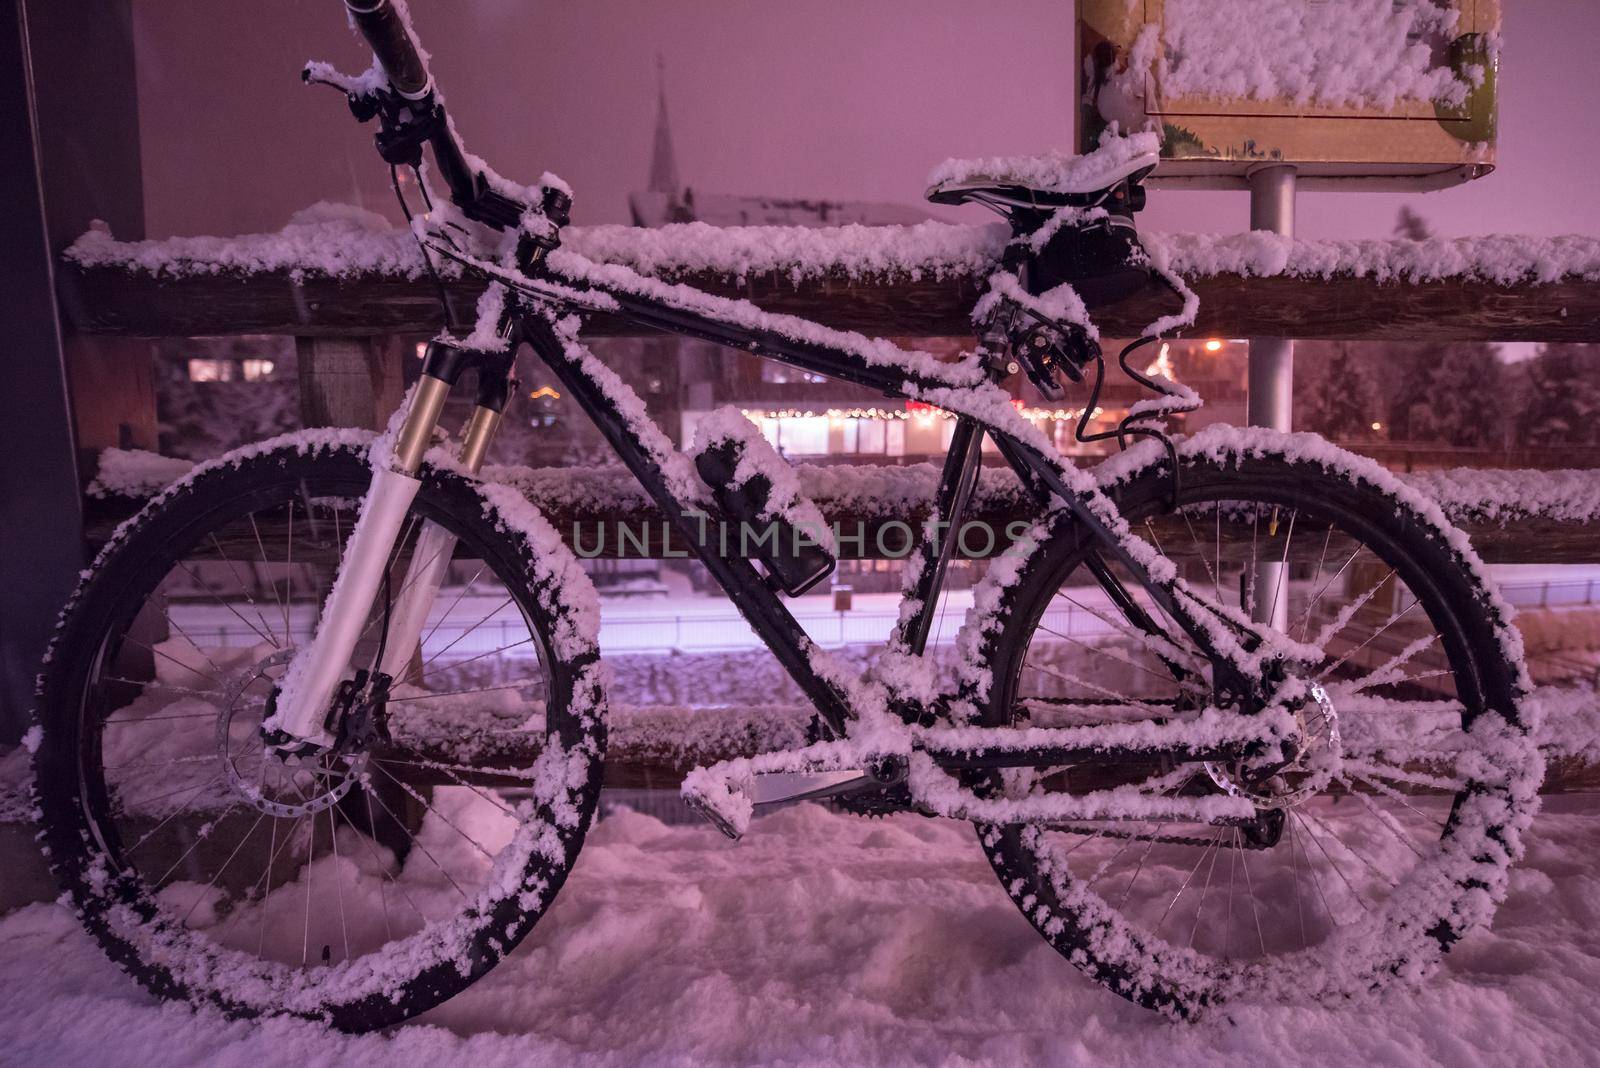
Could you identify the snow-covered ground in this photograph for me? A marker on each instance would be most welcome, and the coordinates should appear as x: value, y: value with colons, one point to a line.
x: 826, y: 939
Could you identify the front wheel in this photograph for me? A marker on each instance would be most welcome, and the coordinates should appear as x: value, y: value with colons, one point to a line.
x: 1385, y: 839
x: 365, y: 885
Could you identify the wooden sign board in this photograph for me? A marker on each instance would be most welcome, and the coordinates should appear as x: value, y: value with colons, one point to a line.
x: 1353, y: 93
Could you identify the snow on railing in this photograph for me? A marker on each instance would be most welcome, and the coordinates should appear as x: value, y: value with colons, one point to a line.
x: 1467, y: 495
x: 342, y: 241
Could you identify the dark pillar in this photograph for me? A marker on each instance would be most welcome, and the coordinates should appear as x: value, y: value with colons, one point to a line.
x: 68, y: 95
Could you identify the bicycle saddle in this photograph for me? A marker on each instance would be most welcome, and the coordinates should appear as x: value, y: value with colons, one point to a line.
x: 1056, y: 180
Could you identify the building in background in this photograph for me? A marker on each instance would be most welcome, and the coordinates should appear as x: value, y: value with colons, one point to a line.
x: 666, y: 200
x: 811, y: 418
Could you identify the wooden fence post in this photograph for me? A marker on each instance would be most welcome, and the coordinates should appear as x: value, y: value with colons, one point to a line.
x: 113, y: 383
x: 350, y: 381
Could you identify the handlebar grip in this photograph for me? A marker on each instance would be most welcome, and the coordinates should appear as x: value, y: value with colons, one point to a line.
x: 391, y: 41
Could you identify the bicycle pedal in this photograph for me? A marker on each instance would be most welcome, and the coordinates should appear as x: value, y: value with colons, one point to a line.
x: 700, y: 807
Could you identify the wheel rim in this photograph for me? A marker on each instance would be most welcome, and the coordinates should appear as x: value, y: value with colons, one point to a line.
x: 331, y: 886
x: 1346, y: 864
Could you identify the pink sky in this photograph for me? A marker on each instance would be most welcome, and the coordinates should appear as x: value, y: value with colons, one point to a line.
x: 818, y: 98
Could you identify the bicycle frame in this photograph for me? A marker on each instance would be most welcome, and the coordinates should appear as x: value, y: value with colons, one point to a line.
x: 541, y: 289
x: 539, y: 296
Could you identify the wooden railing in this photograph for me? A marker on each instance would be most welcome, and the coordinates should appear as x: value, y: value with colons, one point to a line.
x: 348, y: 333
x: 112, y: 301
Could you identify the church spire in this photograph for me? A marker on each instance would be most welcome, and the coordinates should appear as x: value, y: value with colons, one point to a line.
x: 663, y: 166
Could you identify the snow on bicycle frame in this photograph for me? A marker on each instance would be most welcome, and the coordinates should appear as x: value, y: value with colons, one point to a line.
x: 1421, y: 727
x: 510, y: 236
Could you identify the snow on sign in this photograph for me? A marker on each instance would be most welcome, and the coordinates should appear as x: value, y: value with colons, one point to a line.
x: 1389, y: 94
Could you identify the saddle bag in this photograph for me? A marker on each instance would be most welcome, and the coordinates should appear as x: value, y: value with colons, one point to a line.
x: 1101, y: 259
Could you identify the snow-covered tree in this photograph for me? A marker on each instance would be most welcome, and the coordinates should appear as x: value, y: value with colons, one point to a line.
x: 1341, y: 398
x: 1562, y: 405
x: 1411, y: 225
x: 1456, y: 403
x: 204, y: 404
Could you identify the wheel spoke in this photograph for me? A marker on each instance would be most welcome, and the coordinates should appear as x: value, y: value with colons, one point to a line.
x: 288, y: 632
x: 1215, y: 842
x: 206, y: 586
x: 1102, y: 651
x: 455, y: 664
x: 458, y: 693
x: 458, y: 780
x: 502, y: 606
x: 1206, y: 889
x: 172, y: 815
x: 1282, y: 581
x: 416, y: 843
x: 1119, y: 698
x: 1249, y: 888
x: 338, y: 880
x: 1383, y: 675
x: 1337, y: 870
x: 1374, y: 636
x: 212, y: 884
x: 447, y: 821
x: 1322, y: 558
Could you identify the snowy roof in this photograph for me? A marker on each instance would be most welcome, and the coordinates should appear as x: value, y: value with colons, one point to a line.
x: 657, y: 208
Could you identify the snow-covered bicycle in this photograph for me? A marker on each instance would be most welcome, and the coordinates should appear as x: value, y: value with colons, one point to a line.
x: 1275, y: 751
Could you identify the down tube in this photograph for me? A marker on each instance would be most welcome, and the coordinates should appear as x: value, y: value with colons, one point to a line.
x: 738, y: 577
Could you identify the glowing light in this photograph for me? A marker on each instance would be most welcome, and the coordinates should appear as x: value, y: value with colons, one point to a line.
x: 544, y: 391
x: 210, y: 370
x: 1162, y: 366
x: 1213, y: 345
x: 1377, y: 426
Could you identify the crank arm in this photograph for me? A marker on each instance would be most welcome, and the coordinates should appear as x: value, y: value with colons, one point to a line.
x: 728, y: 794
x: 782, y: 787
x: 770, y: 789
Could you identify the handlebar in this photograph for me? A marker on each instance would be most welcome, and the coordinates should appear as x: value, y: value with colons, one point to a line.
x: 421, y: 120
x: 390, y: 38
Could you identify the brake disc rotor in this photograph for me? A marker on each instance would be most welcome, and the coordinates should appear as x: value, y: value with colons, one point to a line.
x: 1302, y: 778
x: 284, y: 787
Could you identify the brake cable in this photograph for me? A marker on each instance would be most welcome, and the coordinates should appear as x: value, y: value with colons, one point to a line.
x: 1129, y: 425
x: 422, y: 246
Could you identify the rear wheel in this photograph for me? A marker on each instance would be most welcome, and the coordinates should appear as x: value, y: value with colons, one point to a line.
x: 1385, y: 839
x: 364, y: 886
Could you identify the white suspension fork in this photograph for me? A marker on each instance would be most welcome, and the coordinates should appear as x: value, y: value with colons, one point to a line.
x: 314, y: 675
x: 430, y: 560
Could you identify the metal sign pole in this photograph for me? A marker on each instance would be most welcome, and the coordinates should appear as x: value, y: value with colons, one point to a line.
x: 1270, y: 400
